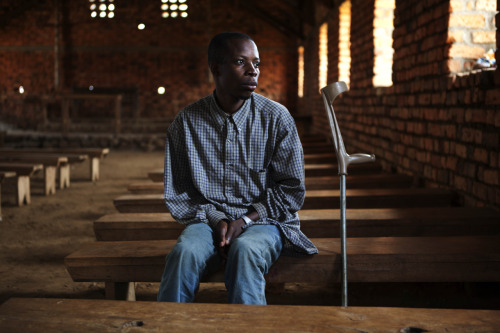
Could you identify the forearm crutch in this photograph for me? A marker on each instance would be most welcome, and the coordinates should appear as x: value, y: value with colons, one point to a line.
x: 329, y: 93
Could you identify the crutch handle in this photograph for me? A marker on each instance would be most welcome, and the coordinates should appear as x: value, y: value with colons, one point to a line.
x: 361, y: 158
x: 329, y: 93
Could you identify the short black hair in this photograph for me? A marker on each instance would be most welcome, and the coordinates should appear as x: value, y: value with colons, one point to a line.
x: 218, y: 45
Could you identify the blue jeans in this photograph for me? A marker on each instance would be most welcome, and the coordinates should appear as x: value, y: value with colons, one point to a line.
x: 250, y: 256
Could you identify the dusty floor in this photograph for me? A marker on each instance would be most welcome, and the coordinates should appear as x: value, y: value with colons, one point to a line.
x: 34, y: 240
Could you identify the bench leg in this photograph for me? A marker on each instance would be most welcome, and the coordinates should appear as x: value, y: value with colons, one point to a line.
x: 50, y: 180
x: 120, y: 290
x: 23, y: 190
x: 94, y: 168
x: 0, y: 202
x: 64, y: 176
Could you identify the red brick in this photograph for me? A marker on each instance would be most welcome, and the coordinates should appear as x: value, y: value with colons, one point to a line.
x: 461, y: 150
x: 480, y: 155
x: 491, y: 176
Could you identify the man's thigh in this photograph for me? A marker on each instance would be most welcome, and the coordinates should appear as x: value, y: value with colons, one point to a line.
x: 262, y: 238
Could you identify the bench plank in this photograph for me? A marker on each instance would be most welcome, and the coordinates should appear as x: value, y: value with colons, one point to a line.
x: 28, y: 315
x: 312, y: 183
x: 318, y: 199
x: 370, y: 259
x: 434, y: 221
x: 55, y: 315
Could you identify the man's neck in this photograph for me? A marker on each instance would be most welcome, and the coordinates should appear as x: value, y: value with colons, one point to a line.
x: 228, y: 106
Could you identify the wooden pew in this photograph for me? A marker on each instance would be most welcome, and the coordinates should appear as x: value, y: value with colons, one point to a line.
x: 23, y: 172
x: 312, y: 183
x: 51, y: 164
x: 94, y: 155
x: 435, y: 221
x: 370, y: 259
x: 64, y: 169
x: 311, y: 170
x: 3, y: 175
x: 318, y: 199
x: 54, y: 315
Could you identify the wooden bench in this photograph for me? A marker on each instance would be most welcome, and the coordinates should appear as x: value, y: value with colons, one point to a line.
x: 94, y: 155
x: 311, y: 170
x: 3, y: 175
x: 54, y: 315
x: 64, y: 170
x: 318, y: 199
x: 312, y: 183
x: 320, y: 158
x: 370, y: 259
x: 51, y: 164
x: 23, y: 172
x: 435, y: 221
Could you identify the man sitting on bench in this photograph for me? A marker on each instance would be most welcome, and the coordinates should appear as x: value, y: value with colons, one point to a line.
x: 234, y: 174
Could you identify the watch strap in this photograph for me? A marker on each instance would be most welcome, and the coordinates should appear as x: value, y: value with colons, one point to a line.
x: 246, y: 219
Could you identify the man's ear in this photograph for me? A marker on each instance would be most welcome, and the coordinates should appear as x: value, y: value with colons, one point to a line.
x: 214, y: 68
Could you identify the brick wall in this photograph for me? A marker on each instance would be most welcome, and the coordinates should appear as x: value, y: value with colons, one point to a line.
x: 442, y: 128
x: 113, y: 53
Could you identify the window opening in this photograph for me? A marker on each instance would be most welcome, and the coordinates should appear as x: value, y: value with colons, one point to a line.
x: 471, y: 33
x: 102, y: 8
x: 383, y: 26
x: 174, y: 8
x: 300, y: 91
x: 345, y: 41
x: 323, y: 55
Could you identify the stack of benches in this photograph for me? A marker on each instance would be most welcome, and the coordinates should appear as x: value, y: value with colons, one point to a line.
x: 397, y: 233
x: 22, y: 163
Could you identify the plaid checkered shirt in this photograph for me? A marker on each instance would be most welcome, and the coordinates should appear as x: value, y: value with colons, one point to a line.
x: 218, y: 166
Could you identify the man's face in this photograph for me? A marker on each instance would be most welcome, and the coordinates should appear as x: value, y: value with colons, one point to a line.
x: 236, y: 78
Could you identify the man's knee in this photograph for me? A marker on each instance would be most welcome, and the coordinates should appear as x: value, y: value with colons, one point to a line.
x: 242, y: 248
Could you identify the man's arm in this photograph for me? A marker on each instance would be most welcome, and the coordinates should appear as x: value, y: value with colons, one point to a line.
x: 286, y: 193
x: 184, y: 202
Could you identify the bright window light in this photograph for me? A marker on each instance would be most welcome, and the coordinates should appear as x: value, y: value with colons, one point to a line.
x: 383, y: 25
x: 174, y: 8
x: 105, y: 9
x: 345, y: 41
x: 323, y: 55
x: 301, y: 72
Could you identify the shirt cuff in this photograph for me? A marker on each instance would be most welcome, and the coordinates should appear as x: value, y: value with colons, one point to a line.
x: 261, y: 209
x: 214, y: 217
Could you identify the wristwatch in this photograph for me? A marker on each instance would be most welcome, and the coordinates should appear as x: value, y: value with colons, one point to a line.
x: 246, y: 219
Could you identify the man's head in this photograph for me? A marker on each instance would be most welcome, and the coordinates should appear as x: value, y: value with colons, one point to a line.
x: 234, y: 62
x: 217, y: 49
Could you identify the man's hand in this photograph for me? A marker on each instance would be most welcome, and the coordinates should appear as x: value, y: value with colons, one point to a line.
x: 221, y: 237
x: 235, y: 229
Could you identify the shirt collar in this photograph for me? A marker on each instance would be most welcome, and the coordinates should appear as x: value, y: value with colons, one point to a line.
x: 239, y: 117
